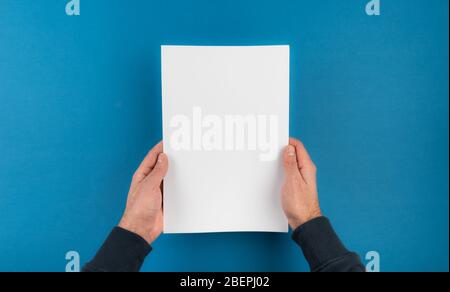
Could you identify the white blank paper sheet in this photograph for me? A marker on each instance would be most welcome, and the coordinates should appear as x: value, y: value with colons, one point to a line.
x: 225, y: 125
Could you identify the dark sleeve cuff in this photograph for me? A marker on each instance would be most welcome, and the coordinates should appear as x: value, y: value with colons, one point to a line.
x: 319, y: 242
x: 123, y: 251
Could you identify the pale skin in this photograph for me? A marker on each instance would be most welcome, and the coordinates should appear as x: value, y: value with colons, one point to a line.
x: 144, y: 214
x: 144, y: 211
x: 299, y: 196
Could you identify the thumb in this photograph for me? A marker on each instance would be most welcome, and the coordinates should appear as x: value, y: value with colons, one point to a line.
x: 290, y: 161
x: 160, y: 170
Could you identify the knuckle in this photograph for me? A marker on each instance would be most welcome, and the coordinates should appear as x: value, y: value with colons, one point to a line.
x: 154, y: 179
x: 299, y: 143
x: 290, y: 162
x: 136, y: 176
x: 155, y: 188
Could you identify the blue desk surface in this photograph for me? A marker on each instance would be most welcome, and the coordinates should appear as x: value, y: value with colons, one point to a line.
x: 80, y: 101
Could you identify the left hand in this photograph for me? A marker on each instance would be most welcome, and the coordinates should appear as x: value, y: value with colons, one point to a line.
x: 144, y: 214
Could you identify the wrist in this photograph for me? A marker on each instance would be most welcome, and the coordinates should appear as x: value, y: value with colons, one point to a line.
x: 138, y: 228
x: 297, y: 221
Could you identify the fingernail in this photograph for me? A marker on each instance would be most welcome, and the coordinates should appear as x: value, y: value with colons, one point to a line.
x: 161, y: 158
x: 291, y: 150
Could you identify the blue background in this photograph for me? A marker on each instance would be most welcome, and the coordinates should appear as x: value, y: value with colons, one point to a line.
x: 80, y: 105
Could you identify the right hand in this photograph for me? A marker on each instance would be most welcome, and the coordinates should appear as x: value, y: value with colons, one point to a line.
x: 299, y: 195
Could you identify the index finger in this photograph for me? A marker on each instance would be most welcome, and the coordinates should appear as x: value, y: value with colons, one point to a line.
x: 305, y: 164
x: 149, y: 162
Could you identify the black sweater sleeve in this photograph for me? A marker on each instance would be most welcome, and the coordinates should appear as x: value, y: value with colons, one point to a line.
x: 323, y: 250
x: 123, y: 251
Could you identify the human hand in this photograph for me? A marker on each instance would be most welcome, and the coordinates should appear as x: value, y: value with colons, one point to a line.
x: 299, y: 195
x: 143, y: 214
